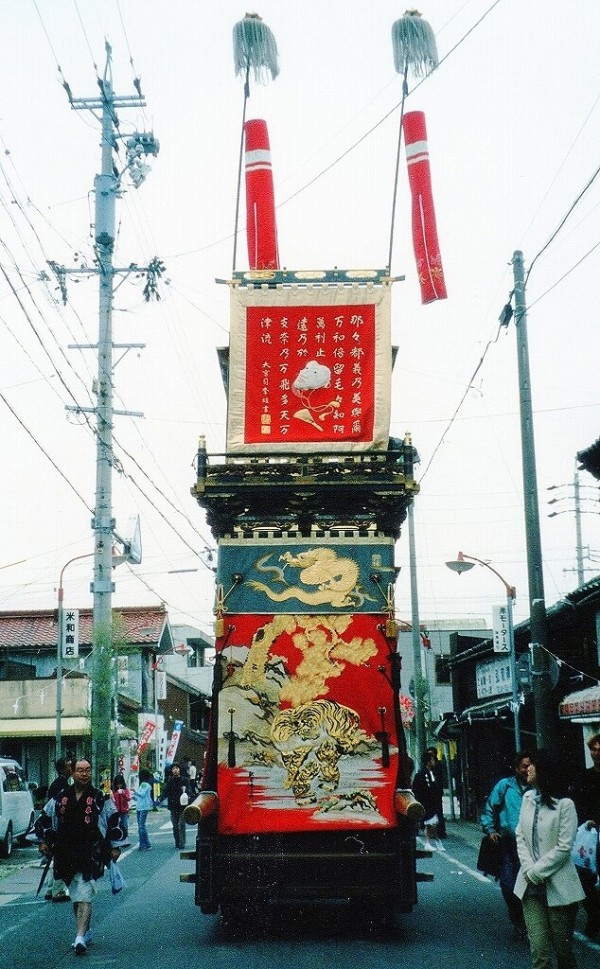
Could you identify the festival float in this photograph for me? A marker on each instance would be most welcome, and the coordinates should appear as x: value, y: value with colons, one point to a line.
x: 305, y: 793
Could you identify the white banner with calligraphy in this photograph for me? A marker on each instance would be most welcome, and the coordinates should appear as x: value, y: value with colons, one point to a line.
x: 310, y: 368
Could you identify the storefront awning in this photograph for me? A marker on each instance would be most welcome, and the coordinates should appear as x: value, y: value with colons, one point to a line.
x: 45, y: 727
x: 582, y: 706
x: 483, y: 711
x: 452, y: 723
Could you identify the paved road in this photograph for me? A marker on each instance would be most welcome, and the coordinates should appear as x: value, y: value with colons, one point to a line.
x: 460, y: 922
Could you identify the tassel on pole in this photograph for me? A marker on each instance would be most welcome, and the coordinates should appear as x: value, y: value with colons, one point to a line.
x: 414, y: 45
x: 415, y: 49
x: 254, y: 49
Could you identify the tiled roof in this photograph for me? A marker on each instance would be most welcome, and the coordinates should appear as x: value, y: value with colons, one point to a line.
x: 144, y: 625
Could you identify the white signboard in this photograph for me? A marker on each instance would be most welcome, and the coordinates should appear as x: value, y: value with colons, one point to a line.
x: 500, y: 629
x: 493, y: 678
x: 70, y: 633
x: 161, y: 685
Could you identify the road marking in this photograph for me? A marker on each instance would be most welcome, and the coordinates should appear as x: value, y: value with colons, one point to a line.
x: 478, y: 875
x: 18, y: 900
x: 463, y: 867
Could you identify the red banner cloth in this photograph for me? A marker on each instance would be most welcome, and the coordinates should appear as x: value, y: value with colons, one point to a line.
x: 261, y: 225
x: 328, y: 392
x: 424, y: 231
x: 310, y: 366
x: 304, y: 705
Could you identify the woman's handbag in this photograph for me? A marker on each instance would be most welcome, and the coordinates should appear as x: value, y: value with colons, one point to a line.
x: 585, y: 847
x: 489, y: 858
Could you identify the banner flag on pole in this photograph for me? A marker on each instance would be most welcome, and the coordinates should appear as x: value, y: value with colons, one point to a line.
x: 172, y: 748
x: 424, y: 230
x: 261, y: 225
x: 149, y: 728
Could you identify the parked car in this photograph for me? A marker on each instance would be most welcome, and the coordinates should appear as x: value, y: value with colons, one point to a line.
x: 16, y: 805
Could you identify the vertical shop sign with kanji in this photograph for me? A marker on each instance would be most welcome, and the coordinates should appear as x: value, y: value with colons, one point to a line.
x: 501, y: 629
x: 70, y: 633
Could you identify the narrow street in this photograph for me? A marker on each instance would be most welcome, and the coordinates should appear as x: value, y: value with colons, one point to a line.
x: 460, y: 920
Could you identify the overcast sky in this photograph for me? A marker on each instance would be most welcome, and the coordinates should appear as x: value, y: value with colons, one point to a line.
x: 514, y: 136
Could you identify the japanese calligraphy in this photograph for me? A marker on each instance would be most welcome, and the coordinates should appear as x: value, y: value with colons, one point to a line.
x: 310, y: 373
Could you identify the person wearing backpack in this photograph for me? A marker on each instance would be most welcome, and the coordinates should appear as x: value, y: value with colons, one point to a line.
x: 499, y: 821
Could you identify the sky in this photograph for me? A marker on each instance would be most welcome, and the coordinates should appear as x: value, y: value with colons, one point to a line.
x: 512, y: 116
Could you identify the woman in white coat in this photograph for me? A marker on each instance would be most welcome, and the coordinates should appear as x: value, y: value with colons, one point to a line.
x: 547, y: 882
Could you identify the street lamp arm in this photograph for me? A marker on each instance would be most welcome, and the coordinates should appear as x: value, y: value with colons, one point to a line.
x: 510, y: 589
x: 87, y: 555
x: 462, y: 563
x: 59, y: 662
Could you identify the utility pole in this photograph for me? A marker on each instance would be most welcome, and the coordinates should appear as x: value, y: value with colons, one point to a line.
x: 578, y: 538
x: 577, y: 511
x: 545, y: 709
x: 107, y: 187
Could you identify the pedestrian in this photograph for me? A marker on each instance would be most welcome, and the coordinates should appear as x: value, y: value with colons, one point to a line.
x: 193, y: 774
x: 547, y: 882
x: 56, y: 890
x: 79, y: 830
x: 428, y: 789
x: 499, y: 821
x: 586, y: 795
x: 121, y: 797
x: 155, y: 790
x: 143, y: 803
x: 439, y: 771
x: 177, y: 793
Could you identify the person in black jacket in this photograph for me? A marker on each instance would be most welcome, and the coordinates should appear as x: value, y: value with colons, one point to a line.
x: 56, y: 890
x: 439, y: 771
x: 586, y: 795
x: 427, y: 788
x: 177, y: 792
x: 79, y: 830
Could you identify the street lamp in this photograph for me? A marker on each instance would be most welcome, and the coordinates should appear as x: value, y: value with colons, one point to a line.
x: 116, y: 560
x: 460, y: 565
x: 59, y: 648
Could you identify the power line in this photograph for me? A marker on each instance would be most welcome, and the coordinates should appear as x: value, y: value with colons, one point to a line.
x: 507, y: 311
x: 360, y: 140
x: 83, y: 30
x: 562, y: 222
x: 156, y: 508
x: 45, y: 453
x: 564, y: 276
x: 460, y: 403
x: 160, y: 492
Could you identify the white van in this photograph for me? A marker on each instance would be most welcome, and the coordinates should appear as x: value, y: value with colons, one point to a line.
x: 16, y: 805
